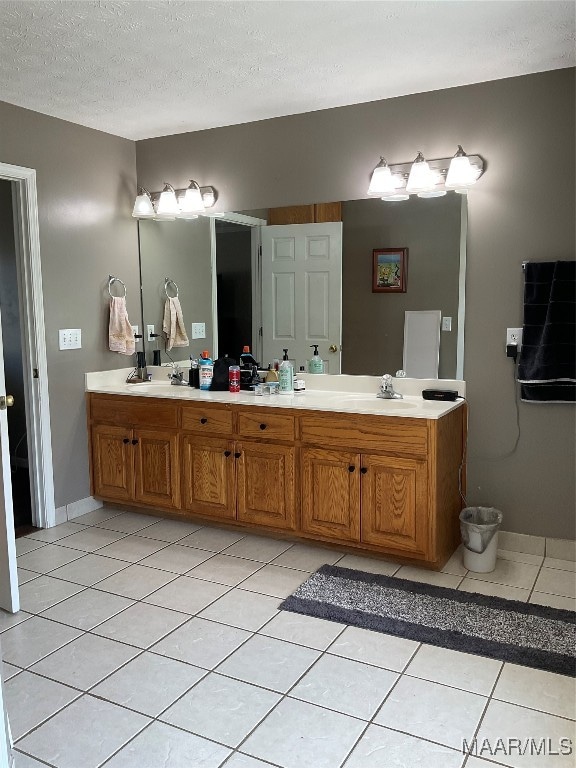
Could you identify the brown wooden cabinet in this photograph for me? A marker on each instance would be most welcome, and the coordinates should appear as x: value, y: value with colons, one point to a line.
x: 249, y: 480
x: 132, y: 463
x: 382, y: 484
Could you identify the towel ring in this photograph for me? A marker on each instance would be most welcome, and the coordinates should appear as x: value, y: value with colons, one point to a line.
x: 167, y: 282
x: 112, y: 279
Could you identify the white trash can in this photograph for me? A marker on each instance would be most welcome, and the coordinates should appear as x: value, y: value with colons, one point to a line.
x: 479, y: 527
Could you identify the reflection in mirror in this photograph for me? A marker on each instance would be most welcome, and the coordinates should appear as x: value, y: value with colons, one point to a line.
x: 433, y: 231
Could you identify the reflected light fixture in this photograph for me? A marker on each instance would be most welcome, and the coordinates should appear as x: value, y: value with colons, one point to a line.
x: 461, y: 174
x: 425, y: 178
x: 143, y: 207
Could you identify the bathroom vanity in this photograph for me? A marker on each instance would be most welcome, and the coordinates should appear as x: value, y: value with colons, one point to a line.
x: 335, y: 467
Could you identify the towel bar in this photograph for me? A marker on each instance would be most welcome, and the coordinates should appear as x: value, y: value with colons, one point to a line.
x: 168, y: 281
x: 112, y: 279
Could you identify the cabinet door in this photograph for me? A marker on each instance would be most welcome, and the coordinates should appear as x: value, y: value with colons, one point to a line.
x: 395, y: 503
x: 266, y: 484
x: 208, y: 476
x: 331, y: 493
x: 157, y: 469
x: 113, y: 462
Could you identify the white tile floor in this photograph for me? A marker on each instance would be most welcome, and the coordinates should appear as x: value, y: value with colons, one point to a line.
x: 147, y: 643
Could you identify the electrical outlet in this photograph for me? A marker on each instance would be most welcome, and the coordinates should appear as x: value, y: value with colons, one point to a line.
x: 149, y: 332
x: 70, y: 338
x: 198, y: 330
x: 136, y: 330
x: 446, y: 323
x: 514, y: 336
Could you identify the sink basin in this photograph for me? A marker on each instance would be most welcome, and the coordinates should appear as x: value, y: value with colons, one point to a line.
x: 149, y: 386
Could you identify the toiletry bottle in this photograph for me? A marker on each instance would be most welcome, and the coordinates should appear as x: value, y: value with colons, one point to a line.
x: 194, y: 374
x: 286, y: 376
x: 246, y: 358
x: 234, y: 379
x: 315, y: 364
x: 247, y: 364
x: 206, y: 370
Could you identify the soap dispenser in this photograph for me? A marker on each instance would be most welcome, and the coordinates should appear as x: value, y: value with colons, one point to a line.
x: 286, y: 376
x: 315, y: 364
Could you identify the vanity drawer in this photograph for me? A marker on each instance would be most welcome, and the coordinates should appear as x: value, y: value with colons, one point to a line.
x: 255, y: 423
x: 133, y: 411
x: 375, y: 433
x: 213, y: 420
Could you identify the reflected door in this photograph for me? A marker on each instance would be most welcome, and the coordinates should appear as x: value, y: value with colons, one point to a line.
x: 302, y: 292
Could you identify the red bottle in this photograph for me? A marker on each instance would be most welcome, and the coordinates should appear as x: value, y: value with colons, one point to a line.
x: 234, y: 378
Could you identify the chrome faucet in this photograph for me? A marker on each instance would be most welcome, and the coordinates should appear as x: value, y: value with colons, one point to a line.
x: 176, y: 376
x: 387, y: 391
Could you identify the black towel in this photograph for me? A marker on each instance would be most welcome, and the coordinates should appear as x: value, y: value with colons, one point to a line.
x: 547, y: 365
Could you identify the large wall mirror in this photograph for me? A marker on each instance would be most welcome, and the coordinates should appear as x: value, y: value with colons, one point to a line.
x: 433, y: 231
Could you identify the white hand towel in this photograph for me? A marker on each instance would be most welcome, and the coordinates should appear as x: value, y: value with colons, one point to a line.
x: 120, y: 333
x: 173, y: 325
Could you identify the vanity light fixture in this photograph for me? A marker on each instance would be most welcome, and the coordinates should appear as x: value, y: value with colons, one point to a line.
x: 173, y: 203
x: 167, y: 203
x: 191, y: 201
x: 425, y: 178
x: 385, y: 184
x: 143, y: 207
x: 461, y: 174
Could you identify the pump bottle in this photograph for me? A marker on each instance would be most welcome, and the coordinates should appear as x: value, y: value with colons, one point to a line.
x: 286, y: 376
x: 315, y: 364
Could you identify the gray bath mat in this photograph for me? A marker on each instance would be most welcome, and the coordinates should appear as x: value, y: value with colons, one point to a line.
x: 508, y: 630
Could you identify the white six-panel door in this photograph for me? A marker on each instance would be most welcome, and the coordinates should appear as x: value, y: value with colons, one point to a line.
x: 302, y: 292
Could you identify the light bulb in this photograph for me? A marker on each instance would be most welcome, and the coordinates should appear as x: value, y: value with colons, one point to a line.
x: 192, y: 201
x: 167, y: 203
x: 461, y: 173
x: 396, y: 197
x: 143, y: 207
x: 382, y: 181
x: 421, y: 178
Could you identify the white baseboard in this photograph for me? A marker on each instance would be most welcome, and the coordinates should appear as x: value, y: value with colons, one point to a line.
x: 82, y: 507
x: 60, y: 515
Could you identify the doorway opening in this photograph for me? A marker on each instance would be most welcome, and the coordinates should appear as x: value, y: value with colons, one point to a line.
x: 14, y: 365
x: 234, y: 286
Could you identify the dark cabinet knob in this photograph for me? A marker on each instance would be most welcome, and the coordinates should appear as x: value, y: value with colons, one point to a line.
x: 227, y: 453
x: 126, y: 440
x: 237, y: 455
x: 262, y: 426
x: 203, y: 420
x: 351, y: 468
x: 134, y: 442
x: 364, y: 470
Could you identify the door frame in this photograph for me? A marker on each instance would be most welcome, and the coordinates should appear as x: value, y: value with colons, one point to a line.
x: 255, y: 223
x: 27, y: 241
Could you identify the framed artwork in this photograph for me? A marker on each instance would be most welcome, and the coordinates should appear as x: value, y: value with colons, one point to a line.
x: 389, y: 270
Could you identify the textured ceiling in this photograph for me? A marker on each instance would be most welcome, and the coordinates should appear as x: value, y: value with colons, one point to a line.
x: 143, y: 69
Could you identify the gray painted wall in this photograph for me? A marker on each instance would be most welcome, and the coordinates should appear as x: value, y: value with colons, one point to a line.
x: 523, y: 208
x: 11, y: 332
x: 86, y: 188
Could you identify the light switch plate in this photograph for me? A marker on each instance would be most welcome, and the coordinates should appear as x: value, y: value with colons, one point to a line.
x: 70, y: 338
x: 446, y: 323
x: 198, y: 330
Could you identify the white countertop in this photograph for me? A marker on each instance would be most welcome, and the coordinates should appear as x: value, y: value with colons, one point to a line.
x: 361, y: 399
